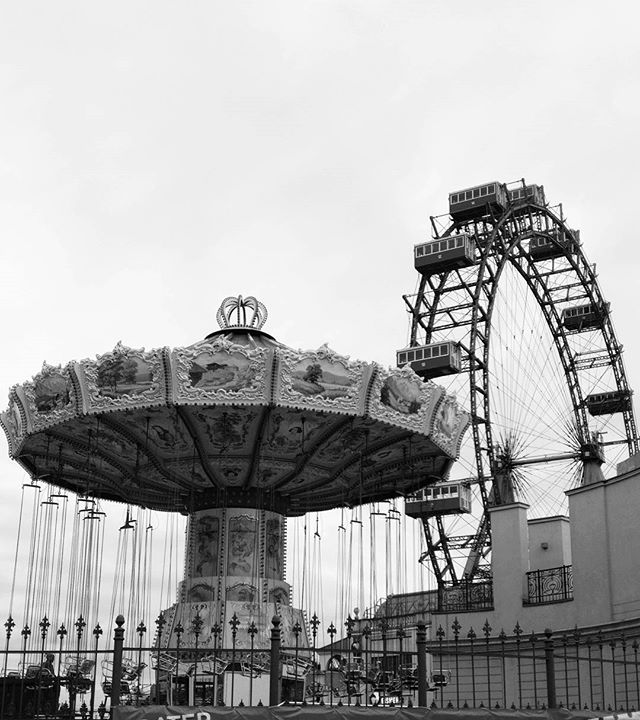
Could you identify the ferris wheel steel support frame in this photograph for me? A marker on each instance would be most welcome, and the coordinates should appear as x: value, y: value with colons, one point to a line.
x: 500, y: 241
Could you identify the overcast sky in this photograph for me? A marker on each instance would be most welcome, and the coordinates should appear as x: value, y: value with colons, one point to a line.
x: 157, y: 157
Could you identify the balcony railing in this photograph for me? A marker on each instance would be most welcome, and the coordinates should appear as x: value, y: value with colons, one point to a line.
x: 466, y: 597
x: 550, y: 585
x: 462, y: 597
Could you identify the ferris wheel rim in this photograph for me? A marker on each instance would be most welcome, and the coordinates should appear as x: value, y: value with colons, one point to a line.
x: 483, y: 305
x: 594, y: 297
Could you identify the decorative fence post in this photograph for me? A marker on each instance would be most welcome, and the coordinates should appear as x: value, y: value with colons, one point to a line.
x: 196, y: 629
x: 160, y: 623
x: 486, y: 629
x: 9, y: 625
x: 177, y: 630
x: 141, y: 630
x: 274, y: 677
x: 216, y: 631
x: 297, y: 629
x: 550, y: 670
x: 384, y: 627
x: 401, y: 634
x: 366, y: 634
x: 75, y: 681
x: 118, y: 642
x: 421, y: 642
x: 234, y: 623
x: 26, y: 632
x: 253, y: 631
x: 44, y: 629
x: 97, y: 632
x: 315, y: 623
x: 62, y: 634
x: 331, y: 631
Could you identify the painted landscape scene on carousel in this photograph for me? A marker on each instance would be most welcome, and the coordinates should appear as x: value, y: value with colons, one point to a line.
x: 51, y: 391
x: 119, y: 374
x: 328, y: 379
x: 221, y: 370
x: 402, y: 394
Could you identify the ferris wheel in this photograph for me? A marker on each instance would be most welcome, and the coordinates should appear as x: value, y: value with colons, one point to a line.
x: 509, y: 315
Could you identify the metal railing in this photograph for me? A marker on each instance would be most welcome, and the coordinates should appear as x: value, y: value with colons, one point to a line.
x: 464, y: 596
x: 550, y: 585
x: 83, y: 674
x: 592, y: 668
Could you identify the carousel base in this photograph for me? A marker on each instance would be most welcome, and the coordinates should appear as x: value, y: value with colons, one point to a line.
x: 230, y: 632
x: 226, y: 689
x: 238, y: 686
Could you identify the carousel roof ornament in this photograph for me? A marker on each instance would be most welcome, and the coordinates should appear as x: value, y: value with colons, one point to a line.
x: 237, y: 419
x: 239, y: 306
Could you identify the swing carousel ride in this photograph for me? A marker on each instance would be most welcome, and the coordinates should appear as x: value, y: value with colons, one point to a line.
x: 237, y: 432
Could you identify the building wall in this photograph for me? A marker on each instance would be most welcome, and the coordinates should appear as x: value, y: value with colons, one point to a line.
x: 600, y: 540
x: 498, y: 655
x: 516, y: 549
x: 549, y: 542
x: 605, y: 540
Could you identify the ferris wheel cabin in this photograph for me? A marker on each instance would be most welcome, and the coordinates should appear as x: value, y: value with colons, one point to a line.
x: 429, y: 361
x: 448, y: 253
x: 584, y: 317
x: 478, y: 201
x: 447, y: 498
x: 526, y: 194
x: 607, y: 403
x: 546, y: 246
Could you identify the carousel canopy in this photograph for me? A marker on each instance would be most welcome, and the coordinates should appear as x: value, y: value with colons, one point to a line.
x: 237, y: 419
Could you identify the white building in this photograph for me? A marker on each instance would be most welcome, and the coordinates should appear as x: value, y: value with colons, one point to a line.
x: 577, y: 576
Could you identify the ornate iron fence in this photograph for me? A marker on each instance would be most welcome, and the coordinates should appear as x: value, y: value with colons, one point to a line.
x: 83, y: 673
x: 596, y: 669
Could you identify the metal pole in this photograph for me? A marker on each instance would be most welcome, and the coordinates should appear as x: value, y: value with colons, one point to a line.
x: 550, y: 670
x: 274, y: 673
x: 97, y: 631
x: 118, y: 642
x: 160, y: 623
x: 10, y: 624
x: 421, y: 642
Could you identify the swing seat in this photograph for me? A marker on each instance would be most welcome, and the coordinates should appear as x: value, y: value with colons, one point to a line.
x: 86, y: 667
x: 37, y: 677
x: 210, y: 665
x: 133, y: 673
x: 107, y: 687
x: 78, y: 667
x: 164, y: 661
x: 251, y: 670
x: 294, y: 670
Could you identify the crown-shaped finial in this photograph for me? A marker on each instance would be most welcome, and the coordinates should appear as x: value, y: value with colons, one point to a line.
x: 239, y: 312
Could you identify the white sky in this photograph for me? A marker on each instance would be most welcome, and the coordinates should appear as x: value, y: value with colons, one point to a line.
x: 157, y: 157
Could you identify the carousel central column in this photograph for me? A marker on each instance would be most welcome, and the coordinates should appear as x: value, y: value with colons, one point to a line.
x: 235, y: 554
x: 232, y: 588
